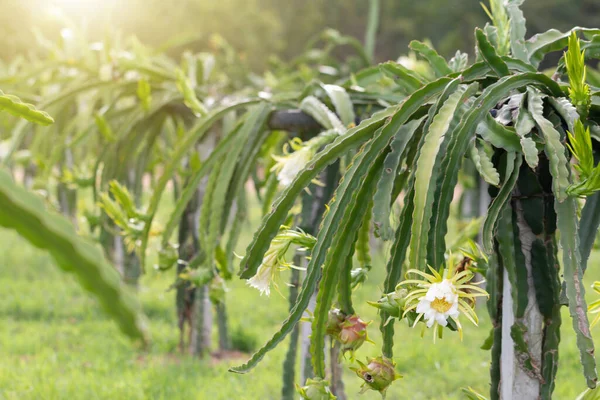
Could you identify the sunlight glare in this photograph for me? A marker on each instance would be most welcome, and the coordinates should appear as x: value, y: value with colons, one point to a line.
x: 79, y: 6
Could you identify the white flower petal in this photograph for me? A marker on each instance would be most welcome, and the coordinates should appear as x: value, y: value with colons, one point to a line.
x: 430, y: 322
x: 263, y: 287
x: 453, y: 311
x: 262, y: 279
x: 430, y: 313
x: 431, y: 294
x: 423, y: 306
x: 441, y: 319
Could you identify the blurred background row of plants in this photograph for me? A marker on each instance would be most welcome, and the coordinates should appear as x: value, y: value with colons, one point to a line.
x: 261, y: 29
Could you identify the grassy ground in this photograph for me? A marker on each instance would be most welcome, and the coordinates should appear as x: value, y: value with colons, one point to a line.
x: 55, y: 343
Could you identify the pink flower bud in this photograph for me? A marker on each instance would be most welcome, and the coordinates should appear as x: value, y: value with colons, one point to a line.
x: 353, y: 333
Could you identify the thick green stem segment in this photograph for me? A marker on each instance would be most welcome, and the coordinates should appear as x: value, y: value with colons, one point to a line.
x: 372, y: 26
x: 14, y: 105
x: 509, y: 248
x: 566, y: 213
x: 288, y: 391
x: 495, y: 375
x: 488, y: 52
x: 394, y: 268
x: 384, y: 195
x: 517, y: 31
x: 426, y: 173
x: 550, y: 355
x: 25, y: 213
x: 313, y: 209
x: 494, y: 287
x: 545, y: 254
x: 438, y: 63
x: 363, y: 254
x: 345, y: 283
x: 511, y: 173
x: 306, y: 370
x: 235, y: 229
x: 590, y: 221
x: 554, y: 148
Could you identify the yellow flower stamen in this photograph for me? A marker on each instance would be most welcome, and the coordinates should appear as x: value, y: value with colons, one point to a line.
x: 441, y: 305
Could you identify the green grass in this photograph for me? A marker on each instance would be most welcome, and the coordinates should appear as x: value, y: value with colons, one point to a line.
x: 55, y: 343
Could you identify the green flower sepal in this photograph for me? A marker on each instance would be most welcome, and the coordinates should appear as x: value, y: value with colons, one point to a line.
x: 315, y: 389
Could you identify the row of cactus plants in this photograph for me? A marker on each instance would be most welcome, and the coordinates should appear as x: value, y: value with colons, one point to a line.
x: 369, y: 135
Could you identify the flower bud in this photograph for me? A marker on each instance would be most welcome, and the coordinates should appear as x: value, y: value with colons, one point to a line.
x: 359, y: 275
x: 399, y: 297
x: 392, y: 303
x: 378, y: 374
x: 353, y: 333
x: 384, y: 304
x: 316, y: 389
x: 334, y: 322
